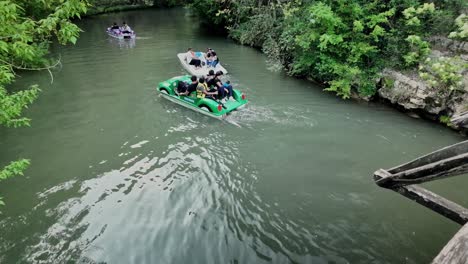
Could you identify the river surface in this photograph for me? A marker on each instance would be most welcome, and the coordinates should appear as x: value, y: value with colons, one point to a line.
x: 121, y: 175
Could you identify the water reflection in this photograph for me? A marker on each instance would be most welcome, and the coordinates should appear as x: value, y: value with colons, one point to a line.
x: 122, y: 43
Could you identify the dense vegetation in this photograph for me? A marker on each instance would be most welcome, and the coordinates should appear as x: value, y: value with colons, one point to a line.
x: 104, y: 6
x: 26, y: 29
x: 344, y: 43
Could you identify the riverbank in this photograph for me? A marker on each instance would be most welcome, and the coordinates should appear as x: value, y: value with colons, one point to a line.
x: 109, y: 6
x: 370, y: 52
x: 408, y: 92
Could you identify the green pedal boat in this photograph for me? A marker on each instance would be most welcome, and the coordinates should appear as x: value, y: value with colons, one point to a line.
x: 206, y: 106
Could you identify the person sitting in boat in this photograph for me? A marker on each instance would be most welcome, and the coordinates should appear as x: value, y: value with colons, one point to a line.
x: 209, y: 57
x: 115, y: 26
x: 126, y: 28
x: 192, y: 87
x: 209, y: 60
x: 228, y: 89
x: 192, y: 59
x: 202, y: 90
x: 219, y: 85
x: 210, y: 78
x: 182, y: 88
x: 214, y: 59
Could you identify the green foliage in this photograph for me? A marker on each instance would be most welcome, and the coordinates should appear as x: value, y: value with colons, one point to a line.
x: 413, y: 15
x: 339, y: 44
x: 343, y: 43
x: 26, y: 28
x: 214, y: 13
x: 443, y: 74
x: 12, y: 105
x: 419, y: 50
x: 14, y: 168
x: 446, y: 120
x: 107, y: 6
x: 461, y: 32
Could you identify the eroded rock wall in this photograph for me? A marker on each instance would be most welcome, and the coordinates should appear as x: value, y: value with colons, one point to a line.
x: 409, y: 91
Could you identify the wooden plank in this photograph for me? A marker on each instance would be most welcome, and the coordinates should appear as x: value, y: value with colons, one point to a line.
x: 435, y: 202
x: 456, y: 250
x: 452, y: 166
x: 441, y: 154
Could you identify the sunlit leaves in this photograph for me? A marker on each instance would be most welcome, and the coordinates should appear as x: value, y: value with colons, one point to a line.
x: 413, y: 15
x: 461, y: 31
x: 419, y: 50
x: 12, y: 106
x: 344, y: 43
x: 14, y: 168
x: 341, y: 42
x: 443, y: 73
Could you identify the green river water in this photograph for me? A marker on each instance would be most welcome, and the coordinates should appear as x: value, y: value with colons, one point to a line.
x: 121, y: 175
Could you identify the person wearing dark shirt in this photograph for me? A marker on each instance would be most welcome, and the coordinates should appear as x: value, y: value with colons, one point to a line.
x: 182, y: 88
x: 192, y: 87
x: 210, y: 78
x: 219, y: 85
x: 115, y: 26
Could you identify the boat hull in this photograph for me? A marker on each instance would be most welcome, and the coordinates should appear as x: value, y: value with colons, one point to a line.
x: 203, y: 71
x: 119, y: 35
x: 205, y: 106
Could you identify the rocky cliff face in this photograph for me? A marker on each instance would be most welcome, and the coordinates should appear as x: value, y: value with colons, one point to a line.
x: 409, y: 91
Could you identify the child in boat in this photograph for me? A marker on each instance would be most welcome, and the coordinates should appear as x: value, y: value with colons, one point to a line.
x: 125, y: 28
x: 202, y: 90
x: 192, y: 59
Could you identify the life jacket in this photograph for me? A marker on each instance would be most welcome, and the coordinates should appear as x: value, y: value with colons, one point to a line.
x: 200, y: 88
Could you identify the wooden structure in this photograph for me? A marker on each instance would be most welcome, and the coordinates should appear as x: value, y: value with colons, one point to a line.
x: 446, y: 162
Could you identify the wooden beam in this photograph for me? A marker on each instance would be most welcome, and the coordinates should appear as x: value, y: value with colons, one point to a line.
x: 451, y: 166
x: 435, y: 202
x: 456, y: 250
x: 441, y: 154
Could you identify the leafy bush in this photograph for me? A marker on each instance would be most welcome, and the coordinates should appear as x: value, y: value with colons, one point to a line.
x: 461, y: 31
x: 443, y: 73
x: 343, y: 43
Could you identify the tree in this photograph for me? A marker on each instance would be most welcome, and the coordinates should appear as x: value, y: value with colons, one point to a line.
x: 26, y: 29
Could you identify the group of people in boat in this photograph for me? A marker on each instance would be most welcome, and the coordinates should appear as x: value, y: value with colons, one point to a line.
x: 211, y: 58
x: 209, y: 86
x: 123, y: 29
